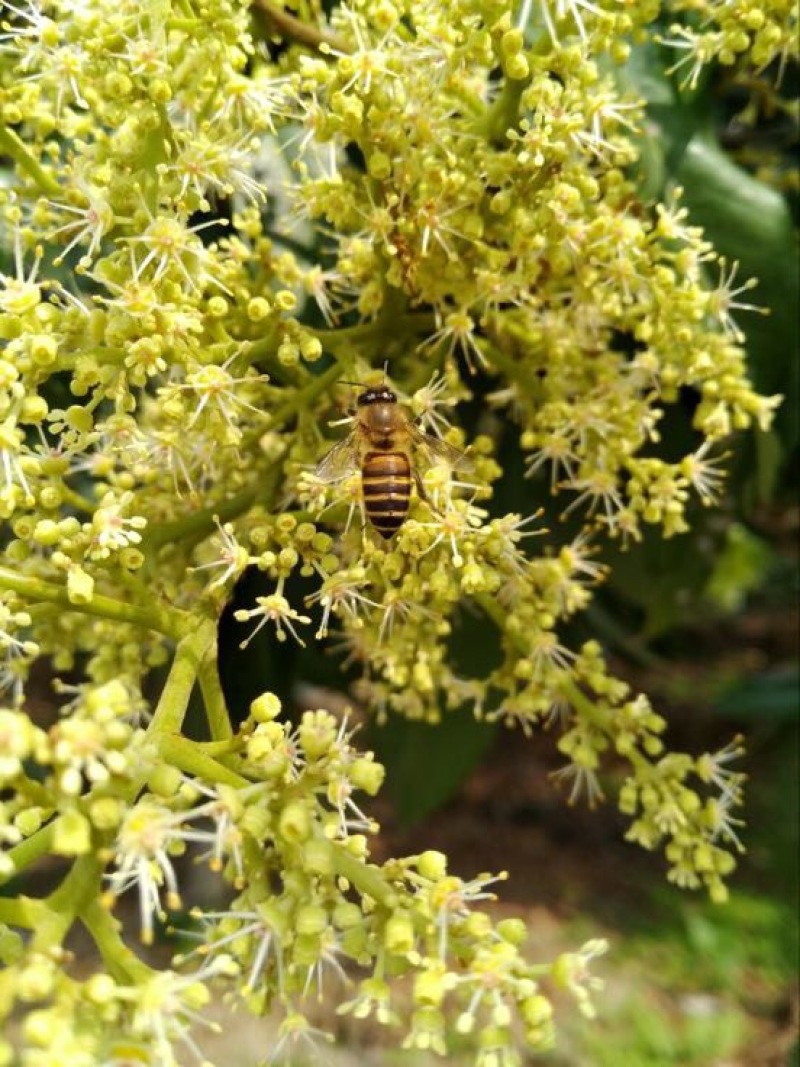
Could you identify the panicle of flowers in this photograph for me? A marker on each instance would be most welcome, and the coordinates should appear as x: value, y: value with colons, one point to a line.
x: 480, y: 221
x: 231, y: 558
x: 755, y: 33
x: 276, y: 609
x: 149, y: 837
x: 17, y: 651
x: 91, y: 742
x: 341, y: 594
x: 110, y: 529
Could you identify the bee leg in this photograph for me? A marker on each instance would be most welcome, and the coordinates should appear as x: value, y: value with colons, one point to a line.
x: 422, y: 493
x: 420, y: 487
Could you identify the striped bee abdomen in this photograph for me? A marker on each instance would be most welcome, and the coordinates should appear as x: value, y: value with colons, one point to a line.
x: 386, y: 485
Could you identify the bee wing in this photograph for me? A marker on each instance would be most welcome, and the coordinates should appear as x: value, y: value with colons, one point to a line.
x: 436, y: 450
x: 341, y: 461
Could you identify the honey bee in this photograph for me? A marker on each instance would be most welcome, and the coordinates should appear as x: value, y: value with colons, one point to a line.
x: 385, y: 446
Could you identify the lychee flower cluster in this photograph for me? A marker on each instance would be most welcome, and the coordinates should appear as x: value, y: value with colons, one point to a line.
x: 204, y: 238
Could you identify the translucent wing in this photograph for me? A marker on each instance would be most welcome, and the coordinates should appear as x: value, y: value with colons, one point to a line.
x: 341, y: 461
x: 436, y: 450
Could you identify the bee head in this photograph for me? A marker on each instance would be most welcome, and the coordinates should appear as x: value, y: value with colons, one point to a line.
x: 378, y: 394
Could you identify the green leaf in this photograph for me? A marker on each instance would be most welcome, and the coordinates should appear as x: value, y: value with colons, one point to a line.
x: 774, y: 696
x: 740, y: 567
x: 749, y: 222
x: 426, y: 762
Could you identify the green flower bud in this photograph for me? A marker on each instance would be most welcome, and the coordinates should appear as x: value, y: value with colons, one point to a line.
x: 398, y: 934
x: 34, y: 410
x: 318, y: 857
x: 258, y: 309
x: 80, y: 585
x: 311, y: 919
x: 294, y: 822
x: 306, y: 950
x: 28, y: 821
x: 512, y: 42
x: 72, y: 834
x: 44, y: 350
x: 536, y: 1010
x: 514, y: 931
x: 106, y: 813
x: 367, y: 775
x: 79, y: 418
x: 310, y: 348
x: 346, y: 915
x: 265, y: 708
x: 430, y: 988
x: 517, y: 68
x: 47, y: 532
x: 380, y: 166
x: 159, y: 90
x: 285, y: 300
x: 164, y: 781
x: 432, y: 864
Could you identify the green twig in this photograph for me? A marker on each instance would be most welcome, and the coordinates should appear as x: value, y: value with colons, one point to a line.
x: 42, y: 591
x: 11, y: 145
x: 219, y: 722
x: 29, y: 850
x: 189, y: 757
x: 21, y: 911
x: 189, y: 655
x: 80, y: 886
x: 123, y: 964
x: 200, y: 524
x: 366, y: 877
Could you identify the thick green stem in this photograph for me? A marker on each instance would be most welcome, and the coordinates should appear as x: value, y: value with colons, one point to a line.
x: 219, y: 722
x: 366, y: 336
x: 305, y: 397
x: 29, y: 850
x: 365, y: 877
x: 11, y: 145
x: 200, y: 524
x: 586, y: 708
x: 189, y: 655
x: 503, y: 114
x: 123, y: 964
x: 189, y: 757
x: 165, y: 621
x: 61, y: 908
x: 21, y: 911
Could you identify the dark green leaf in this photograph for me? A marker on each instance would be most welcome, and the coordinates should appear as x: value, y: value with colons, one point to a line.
x: 749, y: 222
x: 427, y: 763
x: 774, y: 695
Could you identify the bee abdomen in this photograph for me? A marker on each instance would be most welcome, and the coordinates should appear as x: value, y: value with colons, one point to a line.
x: 386, y: 485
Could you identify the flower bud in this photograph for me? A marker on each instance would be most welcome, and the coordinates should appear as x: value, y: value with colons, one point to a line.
x: 258, y: 309
x: 71, y: 834
x: 398, y: 934
x: 265, y: 708
x: 80, y: 585
x: 367, y: 775
x: 432, y: 864
x: 311, y: 919
x: 294, y: 823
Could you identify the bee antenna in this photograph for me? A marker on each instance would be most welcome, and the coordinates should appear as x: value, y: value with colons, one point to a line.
x: 343, y: 381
